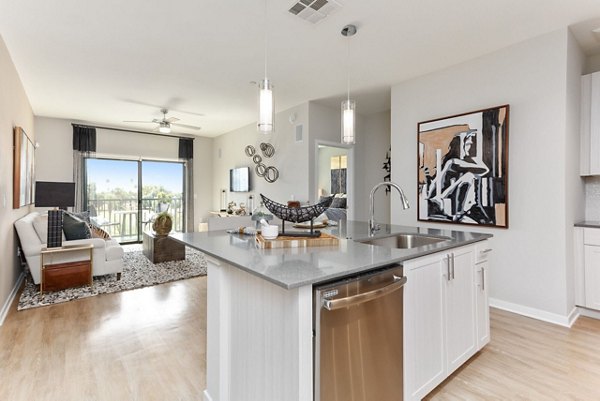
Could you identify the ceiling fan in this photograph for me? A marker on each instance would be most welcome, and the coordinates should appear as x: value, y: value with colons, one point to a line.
x: 164, y: 125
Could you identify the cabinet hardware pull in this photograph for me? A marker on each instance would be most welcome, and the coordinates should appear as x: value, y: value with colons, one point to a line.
x: 486, y: 250
x: 483, y: 279
x: 448, y: 276
x: 453, y: 266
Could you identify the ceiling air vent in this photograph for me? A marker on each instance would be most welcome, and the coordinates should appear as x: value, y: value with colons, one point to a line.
x: 314, y: 11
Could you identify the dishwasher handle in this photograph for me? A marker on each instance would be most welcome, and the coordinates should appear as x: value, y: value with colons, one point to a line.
x: 365, y: 297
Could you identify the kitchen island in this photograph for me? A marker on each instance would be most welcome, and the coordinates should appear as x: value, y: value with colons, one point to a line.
x: 260, y: 304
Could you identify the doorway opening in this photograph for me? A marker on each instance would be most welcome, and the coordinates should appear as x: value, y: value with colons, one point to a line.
x: 334, y: 177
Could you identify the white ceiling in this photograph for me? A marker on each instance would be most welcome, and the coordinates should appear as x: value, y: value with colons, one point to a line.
x: 108, y: 61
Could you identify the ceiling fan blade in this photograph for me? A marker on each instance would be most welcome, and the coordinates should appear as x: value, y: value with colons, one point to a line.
x: 186, y: 126
x: 148, y: 122
x: 172, y: 119
x: 188, y: 112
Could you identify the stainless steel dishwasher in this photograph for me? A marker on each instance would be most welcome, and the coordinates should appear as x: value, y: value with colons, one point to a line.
x: 358, y: 337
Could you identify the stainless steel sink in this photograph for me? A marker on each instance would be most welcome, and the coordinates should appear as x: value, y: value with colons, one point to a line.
x: 404, y: 241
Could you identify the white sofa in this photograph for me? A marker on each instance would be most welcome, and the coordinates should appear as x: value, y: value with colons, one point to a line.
x: 32, y: 230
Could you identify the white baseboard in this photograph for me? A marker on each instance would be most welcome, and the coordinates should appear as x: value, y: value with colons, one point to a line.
x: 11, y: 298
x: 561, y: 320
x: 594, y: 314
x: 207, y: 396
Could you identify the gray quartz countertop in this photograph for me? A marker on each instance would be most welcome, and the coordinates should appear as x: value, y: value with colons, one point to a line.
x: 295, y: 267
x: 588, y: 224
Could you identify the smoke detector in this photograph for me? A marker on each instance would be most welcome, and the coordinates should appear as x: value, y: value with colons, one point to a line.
x: 314, y: 11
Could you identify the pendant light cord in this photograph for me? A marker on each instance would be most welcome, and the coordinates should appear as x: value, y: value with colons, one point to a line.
x: 348, y: 66
x: 266, y: 25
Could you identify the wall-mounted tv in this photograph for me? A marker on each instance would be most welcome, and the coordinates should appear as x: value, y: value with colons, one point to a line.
x: 239, y: 179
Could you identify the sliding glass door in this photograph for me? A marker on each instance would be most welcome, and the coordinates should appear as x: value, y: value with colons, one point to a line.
x: 162, y: 191
x: 123, y: 196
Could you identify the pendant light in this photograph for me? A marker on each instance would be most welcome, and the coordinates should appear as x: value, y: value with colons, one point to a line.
x: 348, y: 106
x: 266, y: 107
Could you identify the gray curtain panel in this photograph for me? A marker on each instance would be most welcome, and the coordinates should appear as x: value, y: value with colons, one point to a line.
x: 186, y: 154
x: 84, y: 145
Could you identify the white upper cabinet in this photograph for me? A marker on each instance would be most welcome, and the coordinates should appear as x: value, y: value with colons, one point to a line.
x: 590, y: 124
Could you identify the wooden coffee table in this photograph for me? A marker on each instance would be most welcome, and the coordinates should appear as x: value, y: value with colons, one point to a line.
x: 161, y: 248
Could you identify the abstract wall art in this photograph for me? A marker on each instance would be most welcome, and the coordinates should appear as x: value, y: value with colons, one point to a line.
x: 23, y: 169
x: 463, y: 168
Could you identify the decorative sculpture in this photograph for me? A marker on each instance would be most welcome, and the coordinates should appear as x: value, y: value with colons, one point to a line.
x: 297, y: 214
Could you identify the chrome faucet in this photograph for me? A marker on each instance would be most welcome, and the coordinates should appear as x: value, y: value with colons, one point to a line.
x: 373, y: 227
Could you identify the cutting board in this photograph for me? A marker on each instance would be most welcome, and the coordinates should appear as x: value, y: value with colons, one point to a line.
x: 295, y: 242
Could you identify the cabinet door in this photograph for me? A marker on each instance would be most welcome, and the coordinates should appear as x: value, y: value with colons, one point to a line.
x: 590, y: 125
x: 592, y: 276
x: 424, y: 356
x: 460, y: 310
x: 482, y: 304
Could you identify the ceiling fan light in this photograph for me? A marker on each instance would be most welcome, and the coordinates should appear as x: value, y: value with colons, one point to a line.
x: 164, y: 128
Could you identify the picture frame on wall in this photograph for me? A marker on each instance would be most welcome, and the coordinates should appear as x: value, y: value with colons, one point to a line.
x: 23, y: 169
x: 462, y: 172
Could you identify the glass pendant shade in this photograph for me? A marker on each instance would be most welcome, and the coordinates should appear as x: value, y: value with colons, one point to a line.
x: 265, y: 106
x: 348, y: 121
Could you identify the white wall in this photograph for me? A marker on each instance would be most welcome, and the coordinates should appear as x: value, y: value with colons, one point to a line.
x: 592, y: 64
x: 15, y: 110
x: 530, y: 256
x: 574, y: 185
x: 290, y: 159
x: 374, y: 144
x: 325, y: 126
x: 55, y: 155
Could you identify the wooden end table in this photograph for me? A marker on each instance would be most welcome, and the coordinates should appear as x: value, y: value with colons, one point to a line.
x: 59, y: 276
x: 161, y: 248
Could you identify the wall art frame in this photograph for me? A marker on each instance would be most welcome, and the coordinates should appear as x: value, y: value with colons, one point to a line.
x: 23, y: 168
x: 462, y: 168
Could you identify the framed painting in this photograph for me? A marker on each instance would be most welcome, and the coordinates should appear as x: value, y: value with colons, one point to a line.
x: 463, y: 168
x: 23, y: 169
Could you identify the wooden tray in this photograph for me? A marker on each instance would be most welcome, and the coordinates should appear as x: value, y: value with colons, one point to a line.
x: 295, y: 242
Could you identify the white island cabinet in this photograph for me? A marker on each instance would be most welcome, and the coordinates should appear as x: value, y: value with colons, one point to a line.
x: 259, y: 338
x: 260, y: 328
x: 446, y: 317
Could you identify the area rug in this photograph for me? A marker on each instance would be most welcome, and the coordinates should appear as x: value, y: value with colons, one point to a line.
x: 138, y: 272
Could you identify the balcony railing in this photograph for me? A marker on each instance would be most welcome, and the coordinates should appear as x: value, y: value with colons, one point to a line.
x: 119, y: 217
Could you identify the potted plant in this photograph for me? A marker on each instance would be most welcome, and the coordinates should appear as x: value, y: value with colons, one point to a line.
x: 163, y: 223
x: 164, y: 200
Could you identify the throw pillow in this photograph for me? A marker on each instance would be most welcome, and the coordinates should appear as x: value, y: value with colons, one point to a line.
x: 324, y: 198
x: 85, y: 215
x: 97, y: 232
x: 75, y: 228
x: 339, y: 203
x: 40, y: 225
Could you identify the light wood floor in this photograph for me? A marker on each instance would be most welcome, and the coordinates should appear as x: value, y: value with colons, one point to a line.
x: 146, y: 344
x: 149, y: 344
